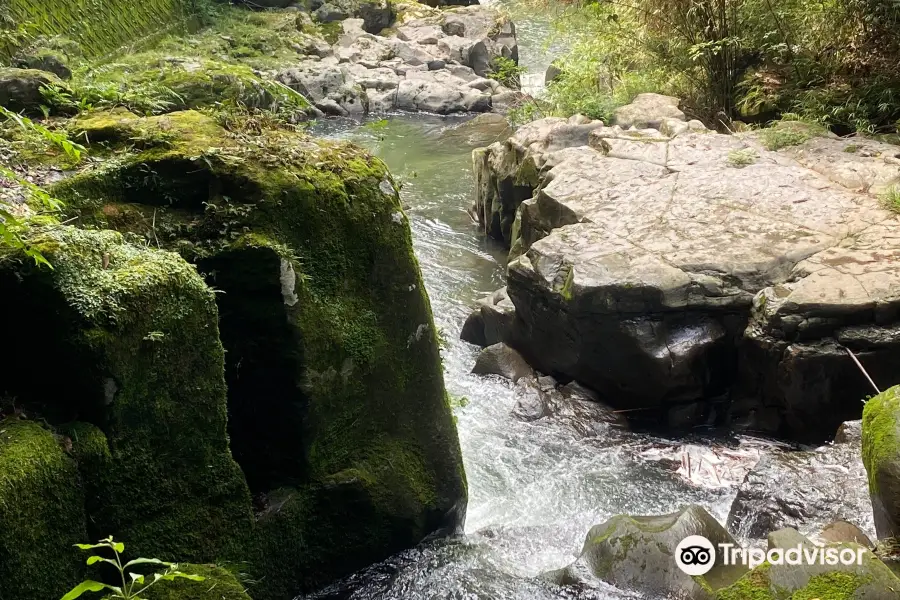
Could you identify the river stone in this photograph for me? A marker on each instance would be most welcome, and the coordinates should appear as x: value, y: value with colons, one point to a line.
x: 491, y: 322
x: 648, y: 110
x: 871, y: 580
x: 637, y: 553
x: 20, y: 89
x: 502, y: 360
x: 801, y: 489
x: 881, y: 454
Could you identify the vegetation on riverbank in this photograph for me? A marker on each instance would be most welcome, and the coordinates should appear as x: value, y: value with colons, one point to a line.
x: 834, y: 63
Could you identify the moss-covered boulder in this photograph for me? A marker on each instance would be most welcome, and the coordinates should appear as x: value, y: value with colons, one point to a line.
x: 130, y: 336
x: 154, y: 83
x: 881, y: 456
x: 20, y: 89
x: 638, y: 553
x: 338, y: 414
x: 41, y: 513
x: 869, y: 580
x: 217, y: 584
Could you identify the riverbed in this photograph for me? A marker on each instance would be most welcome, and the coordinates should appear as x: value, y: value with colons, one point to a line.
x: 535, y: 488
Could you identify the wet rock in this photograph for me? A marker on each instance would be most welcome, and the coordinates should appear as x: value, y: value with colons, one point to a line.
x: 871, y: 579
x: 637, y: 553
x: 842, y: 531
x: 491, y: 322
x: 487, y: 127
x: 20, y: 89
x: 881, y: 454
x: 648, y: 110
x: 802, y: 489
x: 571, y: 405
x: 502, y: 360
x: 850, y: 432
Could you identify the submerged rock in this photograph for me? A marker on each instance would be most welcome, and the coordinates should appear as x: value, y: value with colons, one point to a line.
x: 502, y: 360
x: 881, y: 454
x: 869, y: 580
x: 801, y: 489
x: 638, y: 553
x: 338, y: 420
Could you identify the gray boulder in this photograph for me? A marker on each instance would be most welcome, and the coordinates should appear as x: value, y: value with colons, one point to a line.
x: 20, y: 89
x: 881, y: 455
x: 331, y: 88
x: 328, y: 13
x: 491, y: 322
x: 637, y: 553
x: 647, y: 266
x: 571, y: 405
x: 870, y: 580
x: 502, y: 360
x: 648, y: 110
x: 376, y: 15
x: 805, y: 490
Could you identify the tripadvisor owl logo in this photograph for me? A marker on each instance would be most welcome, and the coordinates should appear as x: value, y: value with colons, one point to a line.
x: 695, y: 555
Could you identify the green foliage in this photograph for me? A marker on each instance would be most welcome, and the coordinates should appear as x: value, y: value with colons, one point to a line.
x: 742, y: 158
x: 134, y: 584
x: 507, y: 72
x: 71, y: 149
x: 890, y: 198
x: 832, y: 62
x: 788, y: 132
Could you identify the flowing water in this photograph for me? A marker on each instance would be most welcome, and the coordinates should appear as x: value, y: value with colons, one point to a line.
x: 535, y: 488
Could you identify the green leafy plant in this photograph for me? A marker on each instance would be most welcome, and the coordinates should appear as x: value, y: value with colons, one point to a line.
x: 890, y: 198
x: 742, y: 158
x: 133, y: 585
x: 507, y: 72
x: 71, y: 149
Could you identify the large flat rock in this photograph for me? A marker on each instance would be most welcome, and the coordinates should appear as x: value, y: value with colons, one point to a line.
x: 636, y: 257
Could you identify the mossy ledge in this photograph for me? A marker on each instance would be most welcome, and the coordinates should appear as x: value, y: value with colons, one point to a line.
x: 337, y: 411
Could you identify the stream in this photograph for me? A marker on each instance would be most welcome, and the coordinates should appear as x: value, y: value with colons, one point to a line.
x: 535, y: 488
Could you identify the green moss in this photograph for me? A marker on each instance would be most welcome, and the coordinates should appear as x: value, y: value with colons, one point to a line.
x: 217, y: 584
x: 41, y: 514
x: 323, y: 313
x: 879, y: 433
x: 788, y: 133
x: 851, y: 148
x: 169, y: 485
x: 752, y: 586
x: 566, y: 290
x: 831, y: 586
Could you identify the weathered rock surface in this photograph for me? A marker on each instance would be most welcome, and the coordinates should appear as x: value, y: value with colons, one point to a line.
x: 881, y: 455
x: 434, y: 61
x: 802, y: 489
x: 869, y: 580
x: 637, y: 553
x: 665, y: 267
